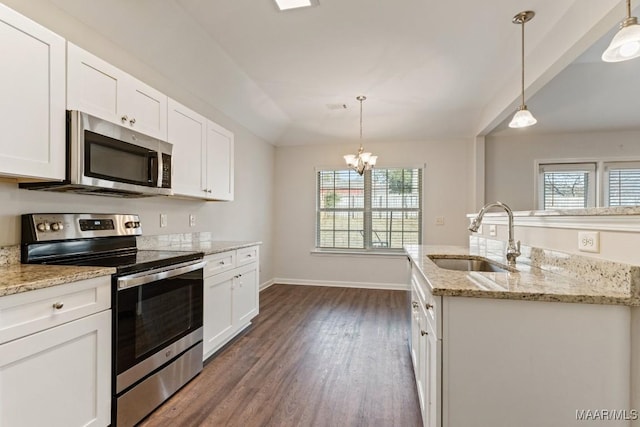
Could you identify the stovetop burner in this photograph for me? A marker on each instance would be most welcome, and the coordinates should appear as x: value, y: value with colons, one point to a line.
x: 102, y: 240
x: 132, y: 262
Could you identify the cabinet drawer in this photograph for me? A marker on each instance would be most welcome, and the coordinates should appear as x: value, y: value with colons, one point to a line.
x: 431, y: 303
x: 28, y: 312
x: 217, y: 263
x: 247, y: 255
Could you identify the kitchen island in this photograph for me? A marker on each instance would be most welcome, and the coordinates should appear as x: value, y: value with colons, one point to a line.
x: 530, y: 347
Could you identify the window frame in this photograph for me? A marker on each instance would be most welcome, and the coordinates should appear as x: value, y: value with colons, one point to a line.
x: 367, y: 210
x: 589, y: 166
x: 606, y: 179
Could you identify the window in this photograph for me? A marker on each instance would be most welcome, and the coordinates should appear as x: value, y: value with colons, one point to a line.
x: 381, y: 209
x: 622, y: 183
x: 566, y: 185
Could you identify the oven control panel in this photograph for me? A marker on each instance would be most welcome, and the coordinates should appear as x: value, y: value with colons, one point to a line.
x: 45, y: 227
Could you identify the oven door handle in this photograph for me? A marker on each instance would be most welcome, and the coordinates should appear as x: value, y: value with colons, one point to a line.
x: 145, y: 277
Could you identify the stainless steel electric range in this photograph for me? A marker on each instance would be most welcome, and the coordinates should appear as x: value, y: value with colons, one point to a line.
x: 156, y: 302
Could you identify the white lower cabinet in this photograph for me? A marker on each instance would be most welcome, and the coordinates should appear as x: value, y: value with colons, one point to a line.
x: 61, y: 375
x: 231, y: 288
x: 496, y: 362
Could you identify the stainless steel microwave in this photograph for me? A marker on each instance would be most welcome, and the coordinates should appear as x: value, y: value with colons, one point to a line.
x: 104, y: 158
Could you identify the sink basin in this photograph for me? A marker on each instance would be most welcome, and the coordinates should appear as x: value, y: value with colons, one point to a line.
x: 468, y: 264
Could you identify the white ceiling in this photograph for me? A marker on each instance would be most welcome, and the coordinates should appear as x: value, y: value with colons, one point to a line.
x: 427, y: 68
x: 588, y: 95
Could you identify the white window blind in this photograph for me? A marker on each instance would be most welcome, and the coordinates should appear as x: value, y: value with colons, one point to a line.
x: 381, y: 209
x: 622, y: 183
x: 567, y: 185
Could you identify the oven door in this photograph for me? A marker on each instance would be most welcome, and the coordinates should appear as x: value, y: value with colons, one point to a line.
x: 158, y: 316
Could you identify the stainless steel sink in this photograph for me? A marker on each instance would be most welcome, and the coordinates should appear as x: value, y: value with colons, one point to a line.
x: 468, y: 264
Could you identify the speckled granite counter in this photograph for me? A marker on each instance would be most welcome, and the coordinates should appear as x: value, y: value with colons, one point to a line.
x: 17, y: 278
x: 192, y: 242
x: 529, y: 283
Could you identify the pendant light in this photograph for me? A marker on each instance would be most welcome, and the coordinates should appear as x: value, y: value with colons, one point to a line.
x: 626, y: 43
x: 361, y: 161
x: 523, y: 117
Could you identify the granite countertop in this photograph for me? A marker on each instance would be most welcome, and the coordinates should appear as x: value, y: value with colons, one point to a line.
x: 528, y: 283
x: 17, y: 278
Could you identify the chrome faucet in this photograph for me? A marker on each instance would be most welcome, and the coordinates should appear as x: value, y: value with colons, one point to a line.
x: 513, y: 248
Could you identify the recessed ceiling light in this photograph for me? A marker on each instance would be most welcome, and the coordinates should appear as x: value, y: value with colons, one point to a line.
x: 293, y: 4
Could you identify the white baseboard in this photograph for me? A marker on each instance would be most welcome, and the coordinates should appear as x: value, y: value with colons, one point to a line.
x: 266, y: 284
x: 340, y: 284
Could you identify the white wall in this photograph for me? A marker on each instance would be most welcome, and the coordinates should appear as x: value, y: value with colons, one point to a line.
x: 509, y: 159
x: 447, y: 183
x: 249, y: 217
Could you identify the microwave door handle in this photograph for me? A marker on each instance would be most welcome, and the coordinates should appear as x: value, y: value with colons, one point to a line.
x: 146, y: 277
x: 159, y: 168
x: 153, y: 168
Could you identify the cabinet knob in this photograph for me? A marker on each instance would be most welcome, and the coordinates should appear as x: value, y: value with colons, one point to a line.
x: 221, y: 263
x: 58, y: 305
x: 428, y: 306
x: 414, y: 304
x: 209, y: 191
x: 423, y: 332
x: 132, y: 121
x: 124, y: 119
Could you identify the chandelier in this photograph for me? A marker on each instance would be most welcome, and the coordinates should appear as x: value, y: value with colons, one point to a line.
x: 362, y: 161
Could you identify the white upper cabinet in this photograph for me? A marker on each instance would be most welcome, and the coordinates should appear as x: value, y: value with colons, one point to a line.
x: 202, y: 155
x: 98, y: 88
x: 219, y: 163
x: 32, y: 114
x: 187, y: 131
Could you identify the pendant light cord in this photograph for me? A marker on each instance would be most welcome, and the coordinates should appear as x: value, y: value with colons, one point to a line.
x: 522, y: 46
x: 361, y: 98
x: 628, y: 9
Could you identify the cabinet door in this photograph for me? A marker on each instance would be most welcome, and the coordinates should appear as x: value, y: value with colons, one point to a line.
x: 187, y: 133
x: 432, y: 377
x: 93, y: 85
x: 58, y: 377
x: 100, y: 89
x: 32, y: 113
x: 218, y: 318
x: 245, y: 295
x: 145, y: 108
x: 422, y: 374
x: 219, y: 162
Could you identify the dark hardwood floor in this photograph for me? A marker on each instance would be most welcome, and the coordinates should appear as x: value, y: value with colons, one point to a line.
x: 315, y: 356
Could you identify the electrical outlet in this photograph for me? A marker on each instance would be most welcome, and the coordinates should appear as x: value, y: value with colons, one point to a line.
x: 589, y: 241
x: 192, y: 220
x: 492, y: 230
x: 439, y: 220
x: 163, y: 220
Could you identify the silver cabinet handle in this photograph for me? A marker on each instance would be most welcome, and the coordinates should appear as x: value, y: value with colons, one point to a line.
x: 58, y: 305
x: 221, y: 263
x: 428, y: 306
x: 423, y: 332
x: 124, y: 119
x: 132, y: 121
x: 414, y: 304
